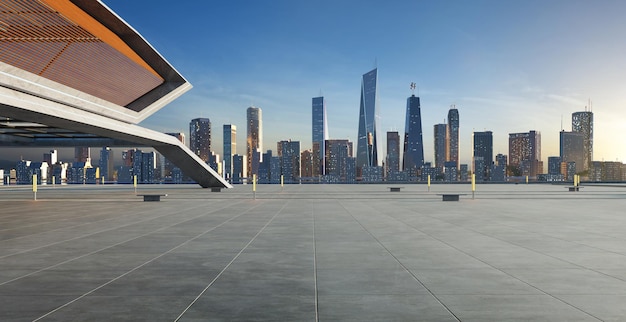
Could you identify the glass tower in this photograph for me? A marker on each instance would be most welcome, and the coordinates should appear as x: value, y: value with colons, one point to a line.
x: 453, y: 135
x: 200, y: 137
x: 230, y: 148
x: 413, y: 144
x: 572, y: 148
x: 319, y: 135
x: 367, y: 147
x: 583, y: 122
x: 441, y: 147
x: 525, y: 152
x: 483, y: 154
x: 393, y: 152
x: 254, y: 139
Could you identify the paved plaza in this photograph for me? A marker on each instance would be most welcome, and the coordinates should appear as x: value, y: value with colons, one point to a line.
x: 313, y: 253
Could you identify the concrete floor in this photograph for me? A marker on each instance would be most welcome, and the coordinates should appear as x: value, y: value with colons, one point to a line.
x: 313, y: 253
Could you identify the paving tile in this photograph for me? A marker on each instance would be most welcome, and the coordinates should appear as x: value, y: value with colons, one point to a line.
x: 382, y: 308
x: 604, y: 307
x: 570, y: 281
x: 271, y: 307
x: 483, y: 308
x: 466, y: 281
x: 367, y: 281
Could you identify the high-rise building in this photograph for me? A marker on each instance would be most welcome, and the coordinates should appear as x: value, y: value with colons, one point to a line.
x: 82, y: 154
x: 393, y: 152
x: 453, y: 135
x: 413, y: 158
x: 441, y: 148
x: 239, y: 168
x: 230, y: 149
x: 289, y: 153
x: 483, y: 154
x: 525, y: 153
x: 254, y: 138
x: 320, y: 133
x: 106, y: 163
x: 200, y: 137
x: 554, y: 165
x: 338, y: 158
x: 367, y: 147
x: 306, y: 163
x: 572, y: 149
x: 265, y: 168
x: 51, y: 158
x: 169, y: 168
x: 582, y: 122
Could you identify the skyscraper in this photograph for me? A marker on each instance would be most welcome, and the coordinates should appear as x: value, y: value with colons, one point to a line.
x: 453, y: 135
x: 483, y: 154
x: 106, y: 163
x: 200, y: 137
x: 413, y: 158
x: 572, y: 148
x: 441, y: 147
x: 525, y: 153
x: 82, y: 154
x: 254, y: 139
x: 338, y: 158
x: 367, y: 147
x: 393, y: 152
x: 319, y: 135
x: 289, y: 153
x: 230, y: 149
x: 583, y: 122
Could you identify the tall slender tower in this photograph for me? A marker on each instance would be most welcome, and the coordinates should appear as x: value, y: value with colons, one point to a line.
x: 583, y: 122
x: 441, y: 144
x: 367, y: 147
x: 254, y: 139
x: 413, y: 159
x: 230, y: 148
x: 453, y: 135
x: 319, y: 135
x: 393, y: 152
x: 200, y: 137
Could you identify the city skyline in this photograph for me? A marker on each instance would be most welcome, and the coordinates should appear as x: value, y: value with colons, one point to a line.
x: 505, y: 74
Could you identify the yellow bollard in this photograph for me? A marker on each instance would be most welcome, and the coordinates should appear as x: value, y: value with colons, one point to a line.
x: 429, y: 183
x: 254, y: 185
x: 473, y: 184
x: 35, y: 185
x: 281, y: 182
x: 135, y: 182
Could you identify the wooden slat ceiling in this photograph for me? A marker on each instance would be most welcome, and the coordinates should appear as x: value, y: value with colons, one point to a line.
x: 42, y: 40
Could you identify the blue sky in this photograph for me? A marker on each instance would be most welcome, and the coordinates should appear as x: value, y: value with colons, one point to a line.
x: 508, y: 66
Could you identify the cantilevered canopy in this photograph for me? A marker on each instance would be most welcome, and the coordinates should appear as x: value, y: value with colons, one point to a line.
x: 72, y: 71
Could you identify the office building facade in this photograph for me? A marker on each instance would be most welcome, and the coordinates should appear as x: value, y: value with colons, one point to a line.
x: 254, y: 138
x: 582, y: 122
x: 392, y: 163
x: 440, y: 144
x: 200, y: 137
x: 483, y: 154
x: 525, y: 153
x: 572, y: 149
x: 453, y: 135
x: 413, y: 157
x: 319, y: 134
x: 367, y: 144
x: 230, y: 149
